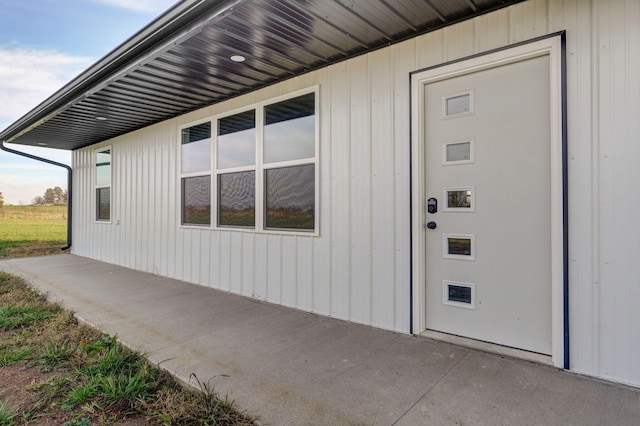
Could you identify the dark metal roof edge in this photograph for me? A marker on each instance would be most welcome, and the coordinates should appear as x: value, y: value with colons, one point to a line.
x: 179, y: 21
x: 158, y: 33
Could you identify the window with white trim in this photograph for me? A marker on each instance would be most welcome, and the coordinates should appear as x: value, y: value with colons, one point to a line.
x: 103, y: 185
x: 264, y: 173
x: 195, y: 177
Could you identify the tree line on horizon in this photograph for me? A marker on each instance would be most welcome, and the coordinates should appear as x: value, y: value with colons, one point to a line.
x: 54, y: 195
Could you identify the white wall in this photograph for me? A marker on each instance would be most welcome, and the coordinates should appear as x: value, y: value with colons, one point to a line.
x: 358, y: 268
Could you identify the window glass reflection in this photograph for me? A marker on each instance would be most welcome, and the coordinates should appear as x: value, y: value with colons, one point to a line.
x: 236, y: 194
x: 103, y: 168
x: 237, y: 140
x: 196, y: 148
x: 196, y: 200
x: 290, y: 197
x: 289, y: 131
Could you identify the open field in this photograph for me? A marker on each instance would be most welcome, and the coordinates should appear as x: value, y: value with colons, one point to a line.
x: 32, y: 230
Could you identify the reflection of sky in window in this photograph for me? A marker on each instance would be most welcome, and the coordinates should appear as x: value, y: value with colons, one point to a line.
x: 196, y: 156
x: 103, y: 168
x: 289, y: 140
x: 237, y: 149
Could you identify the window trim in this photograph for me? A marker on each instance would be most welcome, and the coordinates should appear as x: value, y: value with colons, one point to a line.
x: 259, y: 167
x: 182, y: 176
x: 97, y: 187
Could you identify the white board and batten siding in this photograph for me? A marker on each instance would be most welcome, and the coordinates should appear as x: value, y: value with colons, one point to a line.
x: 358, y: 268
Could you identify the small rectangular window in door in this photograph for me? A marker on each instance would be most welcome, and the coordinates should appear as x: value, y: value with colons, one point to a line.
x: 459, y: 246
x: 457, y: 105
x: 459, y: 199
x: 458, y: 152
x: 459, y: 294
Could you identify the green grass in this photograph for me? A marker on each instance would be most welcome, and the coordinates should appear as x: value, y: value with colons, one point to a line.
x: 32, y: 230
x: 88, y: 376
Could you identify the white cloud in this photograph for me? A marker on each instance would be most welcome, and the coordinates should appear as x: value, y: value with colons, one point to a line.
x: 145, y: 6
x: 27, y: 77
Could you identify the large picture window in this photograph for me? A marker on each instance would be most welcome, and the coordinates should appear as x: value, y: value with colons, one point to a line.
x: 103, y: 185
x: 263, y: 171
x: 195, y: 159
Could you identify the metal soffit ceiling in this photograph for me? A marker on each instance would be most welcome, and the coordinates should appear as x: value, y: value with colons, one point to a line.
x: 181, y: 61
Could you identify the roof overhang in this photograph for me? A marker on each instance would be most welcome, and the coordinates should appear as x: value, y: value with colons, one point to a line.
x: 182, y: 60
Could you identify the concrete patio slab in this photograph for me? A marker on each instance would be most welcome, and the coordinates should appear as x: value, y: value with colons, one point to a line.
x: 294, y: 368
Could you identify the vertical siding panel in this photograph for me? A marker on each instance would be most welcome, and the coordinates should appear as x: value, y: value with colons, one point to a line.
x: 575, y: 17
x: 382, y: 206
x: 632, y: 252
x: 248, y: 262
x: 458, y: 40
x: 322, y: 267
x: 274, y: 268
x: 340, y: 191
x: 214, y: 258
x: 404, y: 60
x: 528, y: 20
x: 304, y: 273
x: 606, y: 184
x: 235, y: 276
x: 168, y: 236
x: 360, y: 188
x: 289, y: 266
x: 491, y: 30
x: 204, y: 256
x: 260, y: 285
x: 225, y: 260
x: 144, y: 194
x: 429, y: 49
x: 186, y: 255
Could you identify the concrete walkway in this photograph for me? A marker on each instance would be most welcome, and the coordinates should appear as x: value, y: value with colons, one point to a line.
x: 292, y: 368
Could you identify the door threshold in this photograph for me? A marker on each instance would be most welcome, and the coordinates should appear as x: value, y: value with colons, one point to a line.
x: 488, y: 347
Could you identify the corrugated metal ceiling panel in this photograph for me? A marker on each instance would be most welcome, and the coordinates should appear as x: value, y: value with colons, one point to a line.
x: 190, y: 65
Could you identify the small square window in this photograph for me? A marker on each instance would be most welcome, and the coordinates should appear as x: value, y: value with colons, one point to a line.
x: 458, y: 152
x: 458, y: 105
x: 459, y: 199
x: 462, y: 295
x: 458, y: 246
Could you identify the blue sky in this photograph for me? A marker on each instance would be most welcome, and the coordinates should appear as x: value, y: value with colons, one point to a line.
x: 44, y: 44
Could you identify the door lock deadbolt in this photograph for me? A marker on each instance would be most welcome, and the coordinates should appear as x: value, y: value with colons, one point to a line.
x: 432, y: 205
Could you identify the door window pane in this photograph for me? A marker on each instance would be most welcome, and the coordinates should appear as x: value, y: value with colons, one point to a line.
x: 459, y: 246
x: 458, y: 104
x: 237, y: 140
x: 196, y: 148
x: 456, y: 246
x: 290, y: 197
x: 196, y: 200
x: 289, y: 131
x: 459, y: 151
x: 460, y: 199
x: 237, y: 194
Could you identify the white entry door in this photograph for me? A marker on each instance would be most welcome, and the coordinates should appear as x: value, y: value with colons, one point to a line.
x: 487, y: 177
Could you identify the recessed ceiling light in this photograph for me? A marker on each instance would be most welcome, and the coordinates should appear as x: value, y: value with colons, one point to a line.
x: 101, y: 118
x: 237, y: 58
x: 42, y: 143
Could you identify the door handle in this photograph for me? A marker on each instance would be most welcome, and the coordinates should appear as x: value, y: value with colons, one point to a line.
x: 431, y: 225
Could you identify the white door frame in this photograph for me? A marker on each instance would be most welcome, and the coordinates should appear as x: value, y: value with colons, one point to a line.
x: 551, y: 46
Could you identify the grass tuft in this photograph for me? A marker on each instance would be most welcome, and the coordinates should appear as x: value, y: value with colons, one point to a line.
x: 88, y: 376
